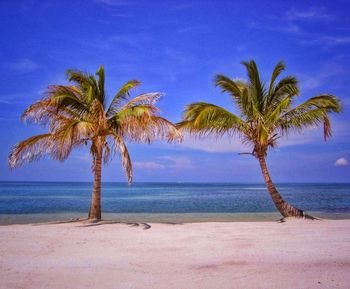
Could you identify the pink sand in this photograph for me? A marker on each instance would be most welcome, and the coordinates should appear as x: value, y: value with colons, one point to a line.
x: 297, y: 254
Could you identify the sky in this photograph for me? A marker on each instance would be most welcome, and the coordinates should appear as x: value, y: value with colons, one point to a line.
x: 177, y: 47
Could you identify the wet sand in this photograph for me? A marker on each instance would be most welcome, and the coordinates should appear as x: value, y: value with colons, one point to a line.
x: 9, y: 219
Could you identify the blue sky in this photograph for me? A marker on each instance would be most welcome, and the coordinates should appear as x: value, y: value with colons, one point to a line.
x: 177, y: 47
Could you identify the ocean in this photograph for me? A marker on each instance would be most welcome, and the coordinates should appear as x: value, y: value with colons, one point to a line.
x: 30, y: 202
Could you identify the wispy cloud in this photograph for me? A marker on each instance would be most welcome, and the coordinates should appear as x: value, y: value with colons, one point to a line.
x: 294, y: 23
x: 178, y: 6
x: 13, y: 99
x: 24, y: 66
x: 176, y: 162
x: 148, y: 165
x: 174, y: 63
x: 9, y: 119
x: 121, y: 43
x: 342, y: 162
x: 312, y: 14
x: 83, y: 158
x: 326, y: 40
x: 214, y: 145
x: 166, y: 162
x: 9, y: 101
x: 193, y: 29
x: 327, y: 72
x: 120, y: 15
x: 286, y: 27
x: 114, y: 3
x: 5, y: 101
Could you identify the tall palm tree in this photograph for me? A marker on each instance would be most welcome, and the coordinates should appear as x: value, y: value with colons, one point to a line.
x: 78, y: 115
x: 265, y: 115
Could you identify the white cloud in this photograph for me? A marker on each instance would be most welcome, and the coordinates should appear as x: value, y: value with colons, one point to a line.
x: 342, y: 162
x: 166, y: 162
x: 24, y: 66
x: 148, y: 165
x: 214, y: 145
x: 84, y: 158
x: 176, y: 162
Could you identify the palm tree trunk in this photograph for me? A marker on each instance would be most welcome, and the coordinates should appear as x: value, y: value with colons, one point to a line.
x: 95, y: 207
x: 282, y: 206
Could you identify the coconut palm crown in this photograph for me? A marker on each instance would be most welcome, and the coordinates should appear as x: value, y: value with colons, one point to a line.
x: 266, y: 113
x: 77, y: 115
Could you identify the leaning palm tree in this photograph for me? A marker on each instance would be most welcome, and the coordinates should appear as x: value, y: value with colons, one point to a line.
x: 265, y: 115
x: 78, y: 115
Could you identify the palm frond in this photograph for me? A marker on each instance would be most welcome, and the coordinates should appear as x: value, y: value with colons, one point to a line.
x: 144, y: 126
x: 265, y: 114
x: 279, y: 68
x: 204, y: 118
x: 125, y: 157
x: 257, y: 88
x: 312, y: 112
x: 121, y: 95
x: 68, y: 96
x: 70, y: 134
x: 228, y: 85
x: 146, y: 98
x: 86, y: 82
x: 101, y: 84
x: 287, y: 86
x: 278, y: 110
x: 164, y: 129
x: 325, y: 101
x: 239, y: 91
x: 304, y: 119
x: 31, y: 149
x: 140, y: 111
x: 39, y: 112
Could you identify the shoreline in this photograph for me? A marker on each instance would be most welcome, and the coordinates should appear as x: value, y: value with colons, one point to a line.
x: 13, y: 219
x: 295, y: 254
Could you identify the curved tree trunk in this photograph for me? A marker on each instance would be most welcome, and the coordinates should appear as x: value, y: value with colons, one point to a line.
x: 282, y: 206
x: 95, y: 207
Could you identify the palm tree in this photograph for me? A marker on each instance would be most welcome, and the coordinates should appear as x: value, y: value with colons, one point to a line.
x: 78, y: 115
x: 265, y: 115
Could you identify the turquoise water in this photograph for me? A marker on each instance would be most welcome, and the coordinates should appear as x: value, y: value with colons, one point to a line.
x: 41, y: 201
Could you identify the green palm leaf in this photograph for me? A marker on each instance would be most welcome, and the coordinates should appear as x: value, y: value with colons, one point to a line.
x: 121, y: 95
x: 204, y: 118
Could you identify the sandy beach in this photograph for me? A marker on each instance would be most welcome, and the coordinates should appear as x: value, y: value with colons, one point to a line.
x: 295, y: 254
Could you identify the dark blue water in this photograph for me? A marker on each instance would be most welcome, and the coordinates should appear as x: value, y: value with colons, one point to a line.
x: 42, y: 197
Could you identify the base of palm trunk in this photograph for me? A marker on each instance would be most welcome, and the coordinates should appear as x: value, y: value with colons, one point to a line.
x: 288, y: 211
x: 93, y: 220
x: 93, y: 217
x: 94, y: 214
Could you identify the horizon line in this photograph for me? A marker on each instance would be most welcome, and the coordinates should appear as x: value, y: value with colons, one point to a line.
x: 171, y: 182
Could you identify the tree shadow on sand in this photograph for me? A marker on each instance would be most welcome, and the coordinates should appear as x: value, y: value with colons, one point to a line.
x: 85, y: 222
